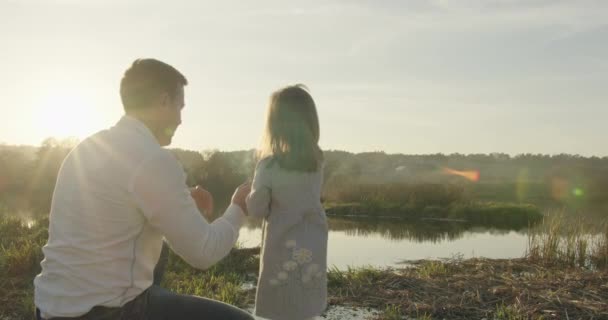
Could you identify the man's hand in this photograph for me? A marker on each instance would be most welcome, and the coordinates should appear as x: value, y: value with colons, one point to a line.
x: 240, y: 195
x: 204, y: 201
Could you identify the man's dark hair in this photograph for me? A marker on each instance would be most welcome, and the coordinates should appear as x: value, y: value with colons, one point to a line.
x: 147, y: 78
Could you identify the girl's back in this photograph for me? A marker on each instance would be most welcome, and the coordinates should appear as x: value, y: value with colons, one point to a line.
x: 293, y: 262
x: 286, y: 193
x: 293, y: 191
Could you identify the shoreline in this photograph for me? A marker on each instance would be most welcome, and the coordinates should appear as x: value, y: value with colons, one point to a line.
x: 551, y: 282
x: 473, y: 288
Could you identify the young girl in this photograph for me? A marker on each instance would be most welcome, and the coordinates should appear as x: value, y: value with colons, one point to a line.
x: 286, y: 193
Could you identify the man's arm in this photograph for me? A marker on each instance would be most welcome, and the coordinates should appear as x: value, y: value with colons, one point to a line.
x: 159, y: 190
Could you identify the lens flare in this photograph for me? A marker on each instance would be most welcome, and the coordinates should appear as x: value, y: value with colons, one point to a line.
x: 559, y: 188
x: 578, y: 192
x: 3, y: 183
x: 471, y: 175
x: 521, y: 186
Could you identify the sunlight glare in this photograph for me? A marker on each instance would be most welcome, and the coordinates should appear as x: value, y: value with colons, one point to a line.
x: 65, y: 114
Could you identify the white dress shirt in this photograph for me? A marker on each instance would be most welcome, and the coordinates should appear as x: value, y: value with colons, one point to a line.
x: 118, y: 193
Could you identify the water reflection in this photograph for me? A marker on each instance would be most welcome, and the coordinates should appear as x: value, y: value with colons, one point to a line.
x: 416, y: 231
x: 388, y: 242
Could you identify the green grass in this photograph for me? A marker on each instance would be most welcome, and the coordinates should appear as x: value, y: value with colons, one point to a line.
x: 225, y: 288
x: 357, y: 277
x: 220, y: 282
x: 510, y: 312
x: 432, y: 269
x: 392, y: 312
x: 20, y: 256
x: 21, y: 246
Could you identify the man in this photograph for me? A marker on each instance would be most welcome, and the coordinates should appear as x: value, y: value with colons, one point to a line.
x: 118, y: 193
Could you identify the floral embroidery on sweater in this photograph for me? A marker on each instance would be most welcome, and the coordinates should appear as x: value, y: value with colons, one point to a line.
x: 299, y: 269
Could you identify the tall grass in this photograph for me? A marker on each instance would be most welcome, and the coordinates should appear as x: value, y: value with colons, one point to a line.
x: 20, y: 256
x: 599, y: 250
x: 569, y: 243
x: 20, y: 246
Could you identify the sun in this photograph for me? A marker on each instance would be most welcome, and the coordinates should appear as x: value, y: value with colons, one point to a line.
x: 65, y: 115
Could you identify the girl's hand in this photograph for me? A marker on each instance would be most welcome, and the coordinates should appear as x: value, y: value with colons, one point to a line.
x: 204, y: 201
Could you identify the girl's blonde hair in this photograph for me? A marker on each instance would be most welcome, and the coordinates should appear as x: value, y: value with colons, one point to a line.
x: 291, y: 136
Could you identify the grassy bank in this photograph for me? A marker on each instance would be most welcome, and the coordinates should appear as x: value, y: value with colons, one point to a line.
x: 561, y: 277
x: 431, y: 201
x: 474, y: 213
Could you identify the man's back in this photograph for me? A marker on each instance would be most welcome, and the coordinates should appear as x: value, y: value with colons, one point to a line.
x: 101, y: 250
x: 118, y: 194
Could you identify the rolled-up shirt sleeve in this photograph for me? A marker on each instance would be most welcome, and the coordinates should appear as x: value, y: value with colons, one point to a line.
x: 258, y: 200
x: 159, y: 189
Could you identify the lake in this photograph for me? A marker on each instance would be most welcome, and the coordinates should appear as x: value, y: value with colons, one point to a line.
x: 382, y: 242
x: 388, y: 242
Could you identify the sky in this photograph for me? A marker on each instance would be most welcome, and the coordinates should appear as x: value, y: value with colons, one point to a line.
x: 414, y: 77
